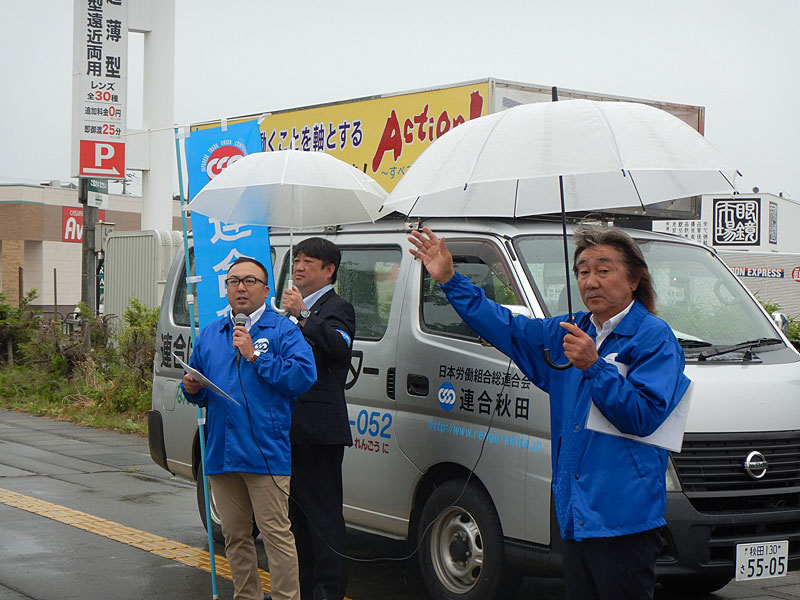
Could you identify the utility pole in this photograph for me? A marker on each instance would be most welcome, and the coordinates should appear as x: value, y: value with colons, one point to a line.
x: 89, y: 258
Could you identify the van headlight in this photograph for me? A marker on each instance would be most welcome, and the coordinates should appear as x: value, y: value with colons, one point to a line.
x: 673, y: 483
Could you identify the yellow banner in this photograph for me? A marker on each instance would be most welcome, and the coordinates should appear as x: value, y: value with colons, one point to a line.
x: 380, y: 136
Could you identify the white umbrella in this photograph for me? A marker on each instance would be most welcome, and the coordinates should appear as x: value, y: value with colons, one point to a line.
x: 290, y: 189
x: 572, y: 156
x: 609, y: 154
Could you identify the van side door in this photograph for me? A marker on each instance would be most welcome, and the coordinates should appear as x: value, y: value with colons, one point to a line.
x: 461, y: 402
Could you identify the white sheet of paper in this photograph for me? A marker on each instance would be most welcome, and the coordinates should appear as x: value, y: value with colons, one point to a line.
x: 669, y: 435
x: 198, y: 376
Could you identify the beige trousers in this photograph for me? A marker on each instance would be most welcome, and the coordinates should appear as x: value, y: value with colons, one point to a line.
x: 238, y: 496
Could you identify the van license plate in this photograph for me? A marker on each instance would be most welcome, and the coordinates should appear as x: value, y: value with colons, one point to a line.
x: 761, y: 560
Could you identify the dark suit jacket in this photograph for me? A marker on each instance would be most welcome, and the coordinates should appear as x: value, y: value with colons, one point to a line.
x: 320, y: 415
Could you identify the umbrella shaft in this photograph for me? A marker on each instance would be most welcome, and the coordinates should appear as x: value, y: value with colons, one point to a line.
x: 566, y: 249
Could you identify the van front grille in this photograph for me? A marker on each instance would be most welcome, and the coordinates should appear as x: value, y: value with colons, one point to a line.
x: 712, y: 465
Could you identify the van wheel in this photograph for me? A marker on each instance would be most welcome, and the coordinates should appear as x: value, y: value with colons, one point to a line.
x: 461, y: 555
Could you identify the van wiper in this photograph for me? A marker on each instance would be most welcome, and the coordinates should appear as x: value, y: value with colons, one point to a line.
x: 693, y: 343
x: 742, y: 346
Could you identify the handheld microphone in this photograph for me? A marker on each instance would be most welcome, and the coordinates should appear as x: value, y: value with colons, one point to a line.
x: 239, y: 320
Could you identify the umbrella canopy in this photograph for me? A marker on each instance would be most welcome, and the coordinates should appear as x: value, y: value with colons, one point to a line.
x: 609, y: 154
x: 572, y: 156
x: 292, y: 189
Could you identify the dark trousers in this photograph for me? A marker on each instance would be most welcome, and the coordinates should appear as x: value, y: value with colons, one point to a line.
x: 613, y: 568
x: 317, y: 523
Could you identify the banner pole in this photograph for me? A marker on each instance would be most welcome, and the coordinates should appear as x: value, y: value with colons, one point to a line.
x: 200, y: 418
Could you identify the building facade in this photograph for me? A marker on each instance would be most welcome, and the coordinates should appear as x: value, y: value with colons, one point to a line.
x: 757, y: 237
x: 41, y: 234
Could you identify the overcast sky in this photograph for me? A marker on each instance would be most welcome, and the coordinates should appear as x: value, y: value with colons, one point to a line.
x: 738, y: 58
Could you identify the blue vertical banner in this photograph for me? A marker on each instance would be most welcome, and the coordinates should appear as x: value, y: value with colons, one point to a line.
x: 216, y: 244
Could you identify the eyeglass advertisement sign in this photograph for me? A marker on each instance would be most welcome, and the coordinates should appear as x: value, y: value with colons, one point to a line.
x: 737, y: 222
x: 99, y: 88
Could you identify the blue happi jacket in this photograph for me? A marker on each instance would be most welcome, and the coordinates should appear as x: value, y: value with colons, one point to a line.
x: 284, y: 370
x: 603, y: 485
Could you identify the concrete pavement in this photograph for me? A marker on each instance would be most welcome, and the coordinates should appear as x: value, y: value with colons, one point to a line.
x: 110, y: 452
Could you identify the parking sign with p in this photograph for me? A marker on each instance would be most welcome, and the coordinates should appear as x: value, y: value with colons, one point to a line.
x: 102, y: 159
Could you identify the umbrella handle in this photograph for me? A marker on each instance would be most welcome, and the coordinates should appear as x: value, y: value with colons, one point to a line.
x: 274, y: 305
x: 551, y: 364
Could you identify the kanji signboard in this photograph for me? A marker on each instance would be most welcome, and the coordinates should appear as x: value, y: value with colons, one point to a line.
x: 99, y: 88
x: 737, y: 222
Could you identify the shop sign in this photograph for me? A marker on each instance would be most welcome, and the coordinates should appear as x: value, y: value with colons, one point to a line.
x: 773, y: 222
x: 99, y: 88
x: 380, y: 136
x: 737, y: 222
x: 97, y: 193
x: 72, y: 223
x: 760, y: 272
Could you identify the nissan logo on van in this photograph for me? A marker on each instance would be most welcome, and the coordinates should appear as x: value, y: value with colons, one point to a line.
x: 755, y: 465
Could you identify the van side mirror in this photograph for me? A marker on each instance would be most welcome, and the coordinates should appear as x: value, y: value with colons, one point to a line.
x: 782, y: 321
x: 519, y: 309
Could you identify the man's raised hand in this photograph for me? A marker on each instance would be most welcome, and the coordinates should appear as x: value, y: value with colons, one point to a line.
x: 433, y: 253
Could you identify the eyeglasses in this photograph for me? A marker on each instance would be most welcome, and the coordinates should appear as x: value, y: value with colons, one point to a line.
x: 249, y: 281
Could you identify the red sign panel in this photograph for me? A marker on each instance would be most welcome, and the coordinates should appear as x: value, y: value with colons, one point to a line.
x: 102, y: 159
x: 72, y: 223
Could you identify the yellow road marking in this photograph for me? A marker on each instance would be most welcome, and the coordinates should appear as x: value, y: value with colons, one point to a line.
x: 154, y: 544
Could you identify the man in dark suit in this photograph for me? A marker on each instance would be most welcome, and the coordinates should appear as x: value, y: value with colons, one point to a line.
x: 320, y: 425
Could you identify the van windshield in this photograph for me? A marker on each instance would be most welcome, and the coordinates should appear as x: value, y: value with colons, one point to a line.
x: 700, y: 299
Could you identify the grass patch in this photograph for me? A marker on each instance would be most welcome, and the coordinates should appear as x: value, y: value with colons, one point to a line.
x: 96, y: 375
x: 27, y: 390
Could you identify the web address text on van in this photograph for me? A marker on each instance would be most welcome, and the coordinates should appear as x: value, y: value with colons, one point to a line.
x: 512, y: 440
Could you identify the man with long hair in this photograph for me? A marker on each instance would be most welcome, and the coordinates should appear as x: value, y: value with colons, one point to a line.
x: 609, y: 491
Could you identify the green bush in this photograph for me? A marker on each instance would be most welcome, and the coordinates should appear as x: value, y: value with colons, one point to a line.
x: 92, y: 373
x: 794, y: 321
x: 132, y: 375
x: 17, y: 324
x: 137, y: 340
x: 49, y: 348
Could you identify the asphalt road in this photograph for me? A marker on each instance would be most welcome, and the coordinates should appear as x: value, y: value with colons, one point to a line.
x: 85, y: 514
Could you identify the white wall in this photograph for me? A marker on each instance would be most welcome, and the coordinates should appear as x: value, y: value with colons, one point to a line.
x: 773, y: 276
x: 66, y: 259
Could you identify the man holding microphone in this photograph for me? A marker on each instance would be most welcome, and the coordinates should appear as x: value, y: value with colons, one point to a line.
x: 262, y: 361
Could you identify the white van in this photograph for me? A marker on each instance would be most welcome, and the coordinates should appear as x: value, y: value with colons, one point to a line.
x: 447, y: 431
